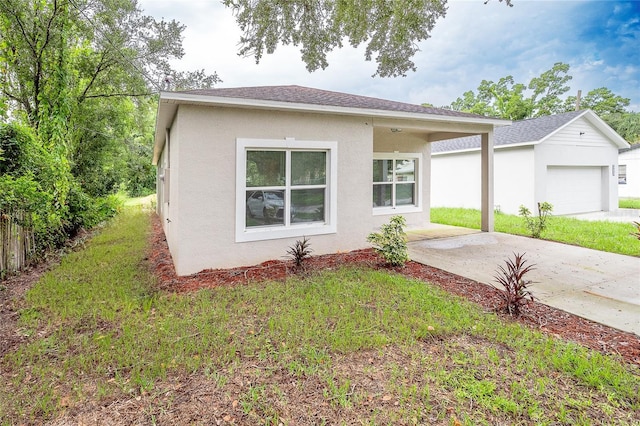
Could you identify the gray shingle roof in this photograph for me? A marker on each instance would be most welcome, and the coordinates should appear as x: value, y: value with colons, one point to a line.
x: 531, y: 130
x: 631, y: 148
x: 307, y: 95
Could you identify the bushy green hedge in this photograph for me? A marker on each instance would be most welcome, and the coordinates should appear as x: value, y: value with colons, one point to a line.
x: 47, y: 198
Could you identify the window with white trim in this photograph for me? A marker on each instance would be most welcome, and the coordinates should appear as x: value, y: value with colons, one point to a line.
x: 286, y: 188
x: 396, y: 182
x: 622, y: 174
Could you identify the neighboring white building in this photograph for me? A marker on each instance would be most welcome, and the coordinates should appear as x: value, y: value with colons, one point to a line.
x: 629, y: 172
x: 569, y: 160
x: 245, y: 172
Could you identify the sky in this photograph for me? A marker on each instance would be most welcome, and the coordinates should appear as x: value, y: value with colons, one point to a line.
x: 600, y: 40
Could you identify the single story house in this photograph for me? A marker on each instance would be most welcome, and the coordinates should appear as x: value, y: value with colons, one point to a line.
x: 569, y: 160
x: 629, y: 172
x: 245, y: 172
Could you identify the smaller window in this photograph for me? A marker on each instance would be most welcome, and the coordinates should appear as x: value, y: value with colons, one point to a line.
x: 622, y: 174
x: 396, y: 182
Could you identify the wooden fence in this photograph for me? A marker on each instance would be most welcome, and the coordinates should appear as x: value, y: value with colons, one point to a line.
x: 16, y: 242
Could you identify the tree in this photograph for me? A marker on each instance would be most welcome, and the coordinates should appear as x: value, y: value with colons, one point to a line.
x: 627, y: 124
x: 391, y: 30
x: 506, y: 98
x: 602, y: 101
x: 469, y: 102
x: 75, y: 70
x: 550, y: 86
x: 503, y: 99
x: 79, y: 74
x: 509, y: 100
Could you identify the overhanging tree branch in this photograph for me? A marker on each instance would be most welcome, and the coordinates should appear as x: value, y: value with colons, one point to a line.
x: 120, y: 95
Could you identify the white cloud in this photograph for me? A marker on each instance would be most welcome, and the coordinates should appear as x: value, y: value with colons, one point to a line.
x: 473, y: 42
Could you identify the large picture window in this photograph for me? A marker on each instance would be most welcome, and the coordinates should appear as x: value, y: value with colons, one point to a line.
x: 287, y: 188
x: 396, y: 182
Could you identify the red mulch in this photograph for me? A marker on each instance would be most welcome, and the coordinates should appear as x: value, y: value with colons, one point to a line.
x: 550, y: 320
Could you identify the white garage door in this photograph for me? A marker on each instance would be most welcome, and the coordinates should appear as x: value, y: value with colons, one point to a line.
x: 574, y: 189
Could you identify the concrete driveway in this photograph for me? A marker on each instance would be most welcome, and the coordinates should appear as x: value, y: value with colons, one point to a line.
x: 619, y: 215
x: 600, y: 286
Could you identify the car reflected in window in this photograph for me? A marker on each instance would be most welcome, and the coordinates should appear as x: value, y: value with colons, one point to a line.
x: 267, y: 207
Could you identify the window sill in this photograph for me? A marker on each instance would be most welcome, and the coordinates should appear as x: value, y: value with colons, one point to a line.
x: 274, y: 233
x: 380, y: 211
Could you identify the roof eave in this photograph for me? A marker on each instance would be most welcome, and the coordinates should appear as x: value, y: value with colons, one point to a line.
x: 601, y: 125
x: 169, y: 101
x: 495, y: 147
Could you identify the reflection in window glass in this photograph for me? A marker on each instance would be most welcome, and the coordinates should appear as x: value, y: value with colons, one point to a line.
x: 405, y: 170
x: 382, y: 170
x: 404, y: 194
x: 381, y: 195
x: 265, y: 168
x: 308, y: 168
x: 307, y: 205
x: 279, y: 181
x: 265, y: 208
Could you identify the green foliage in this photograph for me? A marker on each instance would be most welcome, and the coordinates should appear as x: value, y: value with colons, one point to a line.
x: 78, y: 83
x: 601, y: 100
x: 82, y: 75
x: 20, y: 152
x: 86, y: 211
x: 390, y: 30
x: 515, y: 285
x: 510, y: 100
x: 23, y: 194
x: 391, y: 242
x: 28, y: 184
x: 547, y: 89
x: 536, y: 225
x: 626, y: 124
x: 299, y: 252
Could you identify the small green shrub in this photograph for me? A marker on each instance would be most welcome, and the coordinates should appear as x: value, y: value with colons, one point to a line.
x: 515, y: 292
x: 536, y: 225
x: 391, y: 243
x: 299, y: 252
x: 637, y: 230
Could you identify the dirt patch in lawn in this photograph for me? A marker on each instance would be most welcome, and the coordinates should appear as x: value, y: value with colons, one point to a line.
x: 550, y: 320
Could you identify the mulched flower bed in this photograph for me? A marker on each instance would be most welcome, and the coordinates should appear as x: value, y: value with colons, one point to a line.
x: 536, y: 315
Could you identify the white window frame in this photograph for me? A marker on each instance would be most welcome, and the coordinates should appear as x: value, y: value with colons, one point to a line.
x: 259, y: 233
x: 622, y: 173
x: 414, y: 208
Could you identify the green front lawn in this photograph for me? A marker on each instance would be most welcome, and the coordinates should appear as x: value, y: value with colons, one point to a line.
x: 613, y: 237
x: 349, y: 346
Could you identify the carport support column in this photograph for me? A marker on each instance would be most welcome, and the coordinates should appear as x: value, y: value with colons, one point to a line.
x: 487, y: 181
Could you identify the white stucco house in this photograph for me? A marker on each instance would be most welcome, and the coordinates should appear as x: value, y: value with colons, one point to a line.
x: 245, y: 172
x: 569, y: 160
x: 629, y: 172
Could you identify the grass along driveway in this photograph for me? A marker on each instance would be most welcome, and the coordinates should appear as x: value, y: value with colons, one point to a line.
x: 352, y: 346
x: 629, y: 203
x: 613, y: 237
